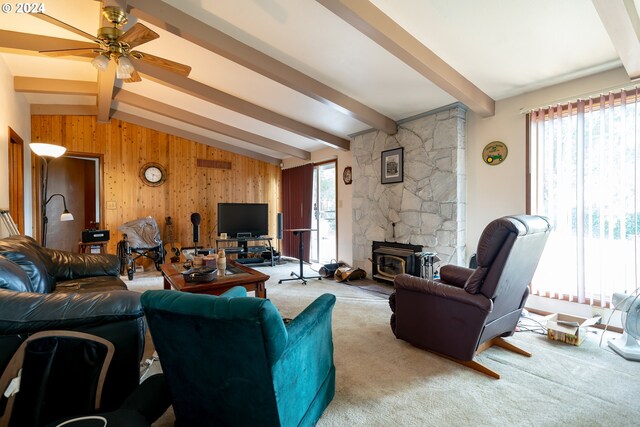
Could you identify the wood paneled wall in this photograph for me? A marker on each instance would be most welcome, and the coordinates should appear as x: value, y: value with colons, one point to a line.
x: 126, y: 147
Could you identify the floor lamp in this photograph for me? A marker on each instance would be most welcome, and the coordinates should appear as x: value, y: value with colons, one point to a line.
x: 48, y: 152
x: 66, y: 216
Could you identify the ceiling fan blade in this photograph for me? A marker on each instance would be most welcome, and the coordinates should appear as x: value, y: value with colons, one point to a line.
x: 66, y: 26
x: 70, y: 52
x: 135, y: 77
x: 137, y: 35
x: 176, y: 67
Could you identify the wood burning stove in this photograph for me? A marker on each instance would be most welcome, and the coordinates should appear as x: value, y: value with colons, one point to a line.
x: 390, y: 259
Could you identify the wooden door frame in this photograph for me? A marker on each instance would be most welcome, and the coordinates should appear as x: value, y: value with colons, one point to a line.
x: 16, y: 178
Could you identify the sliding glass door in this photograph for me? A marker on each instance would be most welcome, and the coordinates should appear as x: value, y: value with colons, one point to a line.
x: 585, y: 176
x: 323, y: 217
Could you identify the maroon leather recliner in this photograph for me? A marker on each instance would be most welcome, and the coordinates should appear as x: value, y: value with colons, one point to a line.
x: 468, y: 310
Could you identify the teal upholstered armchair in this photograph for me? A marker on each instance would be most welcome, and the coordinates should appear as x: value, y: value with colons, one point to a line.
x: 230, y: 360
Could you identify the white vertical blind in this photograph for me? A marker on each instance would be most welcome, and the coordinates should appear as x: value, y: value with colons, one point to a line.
x: 585, y: 177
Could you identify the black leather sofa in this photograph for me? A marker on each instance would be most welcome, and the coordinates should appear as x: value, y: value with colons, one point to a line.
x: 47, y: 289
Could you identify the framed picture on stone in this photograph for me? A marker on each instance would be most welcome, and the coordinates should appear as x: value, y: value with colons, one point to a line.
x: 392, y: 163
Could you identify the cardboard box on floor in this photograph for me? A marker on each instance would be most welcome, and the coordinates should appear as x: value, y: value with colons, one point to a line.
x: 568, y: 328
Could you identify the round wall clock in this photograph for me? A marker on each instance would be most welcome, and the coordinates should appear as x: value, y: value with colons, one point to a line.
x: 153, y: 174
x: 494, y: 153
x: 347, y: 175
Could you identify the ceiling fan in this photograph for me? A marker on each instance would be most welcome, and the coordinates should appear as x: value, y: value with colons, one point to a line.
x: 116, y: 44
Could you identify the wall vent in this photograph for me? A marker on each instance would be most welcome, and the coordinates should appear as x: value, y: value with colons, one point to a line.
x: 213, y: 164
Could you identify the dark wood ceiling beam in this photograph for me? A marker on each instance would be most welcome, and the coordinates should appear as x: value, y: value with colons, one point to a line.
x: 189, y: 28
x: 63, y: 110
x: 161, y: 127
x: 215, y: 96
x: 54, y: 86
x: 372, y: 22
x: 620, y: 19
x: 158, y: 107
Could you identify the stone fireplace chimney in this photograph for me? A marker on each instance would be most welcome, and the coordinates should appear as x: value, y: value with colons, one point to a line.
x: 429, y: 207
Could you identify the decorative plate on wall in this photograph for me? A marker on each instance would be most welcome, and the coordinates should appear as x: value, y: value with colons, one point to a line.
x: 495, y: 153
x: 347, y: 175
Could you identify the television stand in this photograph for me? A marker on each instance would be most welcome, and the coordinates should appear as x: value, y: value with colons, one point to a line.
x: 242, y: 249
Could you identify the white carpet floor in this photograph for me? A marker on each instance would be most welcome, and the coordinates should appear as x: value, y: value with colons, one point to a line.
x: 382, y: 381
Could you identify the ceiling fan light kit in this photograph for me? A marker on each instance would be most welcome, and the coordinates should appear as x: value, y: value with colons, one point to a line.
x: 100, y: 62
x: 115, y: 44
x: 125, y: 68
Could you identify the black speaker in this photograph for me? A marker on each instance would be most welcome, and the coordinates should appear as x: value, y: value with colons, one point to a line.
x: 195, y: 220
x: 279, y: 235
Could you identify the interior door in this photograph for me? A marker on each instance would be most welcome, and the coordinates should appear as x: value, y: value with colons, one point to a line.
x: 76, y: 179
x: 323, y: 218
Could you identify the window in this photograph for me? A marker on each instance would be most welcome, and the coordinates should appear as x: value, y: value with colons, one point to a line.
x: 584, y: 165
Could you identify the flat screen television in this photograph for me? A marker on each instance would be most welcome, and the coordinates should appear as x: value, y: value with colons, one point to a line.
x: 243, y: 218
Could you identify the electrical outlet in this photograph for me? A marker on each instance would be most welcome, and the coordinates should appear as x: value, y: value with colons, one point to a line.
x: 111, y: 205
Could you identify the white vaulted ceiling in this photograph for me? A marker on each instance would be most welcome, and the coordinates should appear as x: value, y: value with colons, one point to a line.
x: 301, y: 75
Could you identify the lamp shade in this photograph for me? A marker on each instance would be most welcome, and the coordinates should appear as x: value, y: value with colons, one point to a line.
x: 66, y: 216
x: 100, y: 62
x: 47, y: 150
x: 125, y: 68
